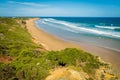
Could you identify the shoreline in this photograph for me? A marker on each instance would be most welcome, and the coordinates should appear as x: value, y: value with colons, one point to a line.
x: 48, y: 41
x: 53, y: 43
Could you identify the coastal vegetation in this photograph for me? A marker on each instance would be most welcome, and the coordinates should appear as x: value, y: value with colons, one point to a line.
x: 22, y: 59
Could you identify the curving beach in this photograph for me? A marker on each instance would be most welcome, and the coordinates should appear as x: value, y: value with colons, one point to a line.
x: 48, y: 41
x: 52, y: 43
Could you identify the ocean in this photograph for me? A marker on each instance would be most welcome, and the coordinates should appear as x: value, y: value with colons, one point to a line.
x: 100, y: 31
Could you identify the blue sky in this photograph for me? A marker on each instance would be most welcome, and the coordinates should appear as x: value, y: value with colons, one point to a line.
x: 81, y: 8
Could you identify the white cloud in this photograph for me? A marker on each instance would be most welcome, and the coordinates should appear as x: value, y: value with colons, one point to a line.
x: 28, y: 4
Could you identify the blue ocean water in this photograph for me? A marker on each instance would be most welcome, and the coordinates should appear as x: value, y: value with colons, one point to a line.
x: 100, y: 31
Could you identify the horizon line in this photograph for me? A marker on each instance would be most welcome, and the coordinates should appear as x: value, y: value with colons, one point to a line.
x: 67, y: 16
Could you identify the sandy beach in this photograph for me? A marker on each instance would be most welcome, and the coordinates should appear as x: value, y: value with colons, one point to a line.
x: 52, y: 43
x: 48, y: 41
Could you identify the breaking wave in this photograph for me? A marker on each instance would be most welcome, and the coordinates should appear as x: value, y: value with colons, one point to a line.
x: 77, y: 29
x: 108, y: 27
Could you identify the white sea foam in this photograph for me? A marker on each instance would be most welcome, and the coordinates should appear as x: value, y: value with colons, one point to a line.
x: 58, y: 26
x: 43, y: 22
x: 107, y: 27
x: 74, y: 28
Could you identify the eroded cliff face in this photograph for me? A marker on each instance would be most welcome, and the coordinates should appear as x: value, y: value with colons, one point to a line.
x: 67, y: 74
x: 62, y: 73
x: 105, y: 74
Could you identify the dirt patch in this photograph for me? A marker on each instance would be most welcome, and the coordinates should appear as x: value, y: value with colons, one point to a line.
x: 5, y: 59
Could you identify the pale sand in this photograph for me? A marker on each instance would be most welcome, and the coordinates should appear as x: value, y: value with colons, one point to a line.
x: 46, y: 40
x: 52, y: 43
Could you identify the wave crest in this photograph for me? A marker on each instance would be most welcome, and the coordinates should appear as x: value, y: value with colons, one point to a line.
x: 108, y: 27
x: 78, y: 29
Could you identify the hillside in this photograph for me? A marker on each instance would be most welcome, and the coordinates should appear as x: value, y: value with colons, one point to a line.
x: 22, y: 59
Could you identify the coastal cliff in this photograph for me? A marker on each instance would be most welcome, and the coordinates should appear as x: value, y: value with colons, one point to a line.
x: 22, y: 57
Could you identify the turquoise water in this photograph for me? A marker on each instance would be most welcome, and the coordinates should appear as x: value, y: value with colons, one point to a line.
x: 103, y: 32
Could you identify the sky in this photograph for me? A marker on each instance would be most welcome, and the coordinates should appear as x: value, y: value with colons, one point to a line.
x: 60, y: 8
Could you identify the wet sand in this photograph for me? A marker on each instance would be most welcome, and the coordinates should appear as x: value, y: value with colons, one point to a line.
x: 107, y: 55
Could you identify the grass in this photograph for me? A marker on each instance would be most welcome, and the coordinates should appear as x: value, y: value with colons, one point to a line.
x: 15, y: 39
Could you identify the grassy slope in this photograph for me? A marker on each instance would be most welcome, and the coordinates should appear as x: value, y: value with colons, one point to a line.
x: 30, y: 64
